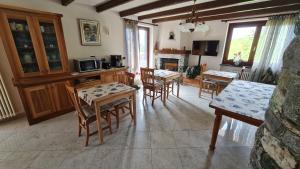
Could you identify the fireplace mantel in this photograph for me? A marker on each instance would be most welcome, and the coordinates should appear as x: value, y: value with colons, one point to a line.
x: 174, y: 51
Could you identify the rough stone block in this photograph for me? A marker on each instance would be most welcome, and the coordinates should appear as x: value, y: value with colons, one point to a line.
x: 291, y: 105
x: 291, y: 57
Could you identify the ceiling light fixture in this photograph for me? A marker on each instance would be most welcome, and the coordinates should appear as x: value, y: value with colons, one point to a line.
x: 191, y: 24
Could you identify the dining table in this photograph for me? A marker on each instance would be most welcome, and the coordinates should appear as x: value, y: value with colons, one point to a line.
x: 220, y: 75
x: 241, y: 100
x: 101, y: 94
x: 167, y: 77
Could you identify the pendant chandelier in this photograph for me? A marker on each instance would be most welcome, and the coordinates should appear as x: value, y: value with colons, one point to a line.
x: 191, y: 24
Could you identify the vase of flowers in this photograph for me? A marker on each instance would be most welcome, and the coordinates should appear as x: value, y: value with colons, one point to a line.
x: 237, y: 59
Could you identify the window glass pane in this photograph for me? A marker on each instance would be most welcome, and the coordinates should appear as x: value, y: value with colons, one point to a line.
x: 241, y: 42
x: 143, y: 45
x: 23, y: 42
x: 51, y: 46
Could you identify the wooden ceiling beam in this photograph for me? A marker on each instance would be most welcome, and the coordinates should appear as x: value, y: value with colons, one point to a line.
x: 269, y: 11
x: 200, y: 6
x: 66, y: 2
x: 150, y: 6
x: 110, y: 4
x: 240, y: 8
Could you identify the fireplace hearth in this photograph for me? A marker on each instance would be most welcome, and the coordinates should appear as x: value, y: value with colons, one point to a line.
x: 169, y: 64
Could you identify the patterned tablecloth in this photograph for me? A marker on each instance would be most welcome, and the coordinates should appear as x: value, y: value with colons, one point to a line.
x: 246, y: 98
x: 102, y: 90
x: 165, y: 73
x: 230, y: 75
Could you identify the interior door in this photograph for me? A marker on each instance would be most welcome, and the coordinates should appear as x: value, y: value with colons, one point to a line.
x: 52, y: 45
x: 22, y: 39
x: 144, y: 46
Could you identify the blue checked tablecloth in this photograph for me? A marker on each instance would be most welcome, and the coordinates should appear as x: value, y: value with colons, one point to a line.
x: 246, y: 98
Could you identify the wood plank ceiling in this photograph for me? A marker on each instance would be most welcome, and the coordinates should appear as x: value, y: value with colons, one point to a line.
x: 206, y: 10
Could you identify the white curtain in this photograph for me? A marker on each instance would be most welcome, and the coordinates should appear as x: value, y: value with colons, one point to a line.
x: 274, y: 38
x: 132, y: 45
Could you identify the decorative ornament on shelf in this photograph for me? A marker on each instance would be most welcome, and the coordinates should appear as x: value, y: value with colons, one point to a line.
x: 171, y: 36
x: 192, y: 24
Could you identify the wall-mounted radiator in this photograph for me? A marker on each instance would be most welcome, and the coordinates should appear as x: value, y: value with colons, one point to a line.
x: 6, y: 108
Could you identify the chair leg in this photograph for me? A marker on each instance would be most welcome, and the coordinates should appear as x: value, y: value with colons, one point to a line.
x: 109, y: 122
x: 153, y: 96
x: 130, y: 111
x: 172, y: 87
x: 144, y: 95
x: 200, y: 90
x: 118, y: 117
x: 87, y: 134
x: 79, y: 127
x: 123, y: 110
x: 168, y: 90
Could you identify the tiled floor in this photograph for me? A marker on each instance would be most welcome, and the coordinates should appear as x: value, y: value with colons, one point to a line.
x: 172, y: 137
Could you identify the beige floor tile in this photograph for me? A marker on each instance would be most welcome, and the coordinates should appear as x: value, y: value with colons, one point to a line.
x: 161, y: 139
x: 166, y: 159
x: 174, y: 136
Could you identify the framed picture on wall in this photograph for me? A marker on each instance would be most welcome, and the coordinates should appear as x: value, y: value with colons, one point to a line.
x: 90, y: 32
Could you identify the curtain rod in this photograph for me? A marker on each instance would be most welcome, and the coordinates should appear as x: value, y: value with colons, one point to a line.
x: 141, y: 22
x: 256, y: 17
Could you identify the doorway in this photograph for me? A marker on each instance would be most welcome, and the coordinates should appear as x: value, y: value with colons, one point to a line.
x: 144, y: 46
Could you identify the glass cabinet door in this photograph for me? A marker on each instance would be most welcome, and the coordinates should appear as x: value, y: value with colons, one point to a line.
x: 24, y: 45
x: 51, y: 46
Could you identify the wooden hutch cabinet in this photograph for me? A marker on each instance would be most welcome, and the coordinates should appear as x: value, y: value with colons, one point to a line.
x: 35, y: 47
x: 36, y: 51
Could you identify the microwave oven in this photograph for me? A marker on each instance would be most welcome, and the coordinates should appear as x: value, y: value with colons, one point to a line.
x: 86, y: 65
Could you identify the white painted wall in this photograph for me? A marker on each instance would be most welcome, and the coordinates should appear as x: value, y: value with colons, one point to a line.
x: 110, y: 44
x: 217, y: 31
x: 164, y: 29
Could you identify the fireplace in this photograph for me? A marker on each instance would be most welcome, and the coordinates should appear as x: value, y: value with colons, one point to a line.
x: 173, y: 62
x: 169, y: 64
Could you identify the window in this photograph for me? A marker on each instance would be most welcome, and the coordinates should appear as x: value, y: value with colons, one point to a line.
x: 241, y: 42
x: 144, y: 46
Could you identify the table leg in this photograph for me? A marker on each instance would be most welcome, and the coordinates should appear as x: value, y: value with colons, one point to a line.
x: 98, y: 116
x: 178, y: 86
x: 165, y: 92
x: 134, y: 107
x: 215, y: 131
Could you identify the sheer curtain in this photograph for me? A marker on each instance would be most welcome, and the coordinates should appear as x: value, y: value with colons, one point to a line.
x: 132, y: 45
x: 275, y: 37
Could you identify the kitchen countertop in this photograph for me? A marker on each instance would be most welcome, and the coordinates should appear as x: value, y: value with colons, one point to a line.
x: 61, y: 77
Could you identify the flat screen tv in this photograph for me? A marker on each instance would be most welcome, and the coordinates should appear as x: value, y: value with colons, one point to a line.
x: 207, y: 48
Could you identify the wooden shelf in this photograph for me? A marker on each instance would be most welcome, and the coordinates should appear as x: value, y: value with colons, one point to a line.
x: 23, y: 82
x: 174, y: 51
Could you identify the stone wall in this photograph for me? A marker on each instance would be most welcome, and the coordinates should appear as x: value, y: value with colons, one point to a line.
x: 277, y: 142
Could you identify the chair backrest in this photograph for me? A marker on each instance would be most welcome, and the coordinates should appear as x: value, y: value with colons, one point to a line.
x: 147, y: 76
x: 75, y: 100
x: 130, y: 78
x: 203, y: 68
x: 126, y: 78
x: 244, y: 75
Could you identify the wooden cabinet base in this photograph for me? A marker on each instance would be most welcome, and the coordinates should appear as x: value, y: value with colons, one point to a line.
x: 46, y: 97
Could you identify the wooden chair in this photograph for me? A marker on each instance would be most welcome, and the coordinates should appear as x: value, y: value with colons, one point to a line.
x: 150, y: 83
x: 125, y: 103
x: 243, y: 75
x: 86, y: 114
x: 210, y: 86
